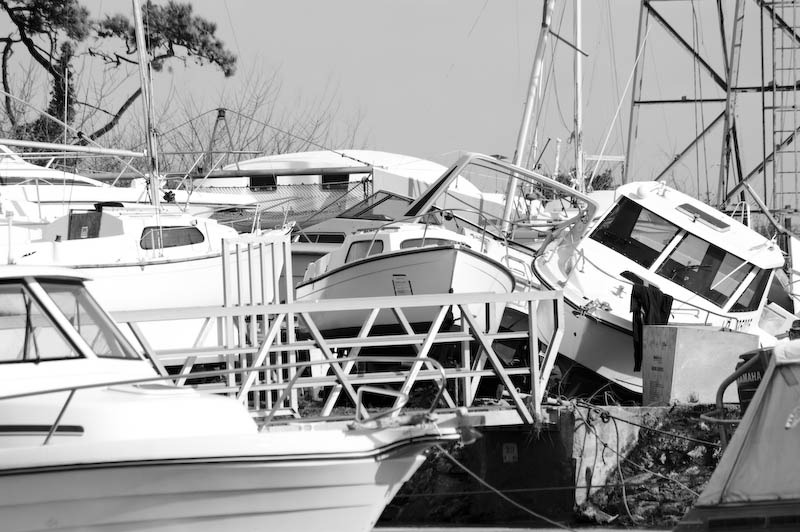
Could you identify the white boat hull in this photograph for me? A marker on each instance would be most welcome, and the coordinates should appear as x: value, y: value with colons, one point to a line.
x: 332, y: 491
x: 427, y: 270
x: 595, y: 344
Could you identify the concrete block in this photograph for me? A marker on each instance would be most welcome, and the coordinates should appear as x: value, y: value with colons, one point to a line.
x: 686, y: 364
x: 598, y: 443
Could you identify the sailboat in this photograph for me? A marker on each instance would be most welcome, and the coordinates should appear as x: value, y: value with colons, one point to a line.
x: 145, y: 256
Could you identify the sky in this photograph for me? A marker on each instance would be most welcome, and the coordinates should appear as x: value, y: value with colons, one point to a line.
x: 432, y: 78
x: 427, y: 78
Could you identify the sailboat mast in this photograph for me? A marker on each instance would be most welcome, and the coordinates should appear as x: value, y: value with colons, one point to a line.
x: 533, y: 87
x: 144, y: 69
x: 579, y: 177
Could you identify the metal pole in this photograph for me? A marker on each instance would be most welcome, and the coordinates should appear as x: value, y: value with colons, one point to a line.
x: 533, y: 87
x: 579, y: 178
x: 144, y: 69
x: 636, y: 88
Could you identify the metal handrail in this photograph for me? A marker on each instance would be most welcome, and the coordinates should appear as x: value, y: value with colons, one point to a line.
x: 275, y: 316
x: 361, y: 415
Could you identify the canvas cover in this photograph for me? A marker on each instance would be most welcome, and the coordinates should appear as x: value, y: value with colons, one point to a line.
x: 762, y: 461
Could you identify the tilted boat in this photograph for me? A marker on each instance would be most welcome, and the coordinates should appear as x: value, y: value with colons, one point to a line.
x: 92, y: 438
x: 716, y: 271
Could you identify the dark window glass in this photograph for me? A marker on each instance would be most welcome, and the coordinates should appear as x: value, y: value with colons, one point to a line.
x: 420, y: 242
x: 335, y: 181
x: 379, y: 206
x: 705, y: 269
x: 263, y: 182
x: 635, y: 232
x: 751, y: 297
x: 170, y: 237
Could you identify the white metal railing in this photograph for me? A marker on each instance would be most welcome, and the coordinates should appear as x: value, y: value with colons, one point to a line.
x: 266, y: 343
x: 361, y: 415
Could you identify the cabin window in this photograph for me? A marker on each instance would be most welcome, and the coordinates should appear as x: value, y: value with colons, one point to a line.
x: 635, y: 232
x: 320, y: 238
x: 751, y: 297
x: 705, y: 269
x: 169, y: 237
x: 263, y: 183
x: 89, y: 320
x: 420, y: 242
x: 26, y: 333
x: 330, y: 182
x: 363, y: 248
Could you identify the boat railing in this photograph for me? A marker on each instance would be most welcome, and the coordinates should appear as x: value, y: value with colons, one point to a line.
x: 464, y: 335
x: 683, y: 308
x: 362, y: 413
x: 427, y: 219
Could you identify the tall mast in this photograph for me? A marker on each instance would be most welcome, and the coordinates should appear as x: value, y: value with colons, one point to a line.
x: 533, y: 87
x: 579, y: 177
x: 144, y: 73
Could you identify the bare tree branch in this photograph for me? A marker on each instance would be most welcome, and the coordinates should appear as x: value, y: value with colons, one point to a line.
x: 115, y: 119
x: 26, y: 40
x: 7, y: 51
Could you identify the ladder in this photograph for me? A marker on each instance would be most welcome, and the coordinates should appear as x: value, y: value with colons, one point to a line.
x: 783, y: 92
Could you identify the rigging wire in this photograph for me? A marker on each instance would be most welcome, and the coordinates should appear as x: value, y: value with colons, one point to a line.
x: 616, y: 113
x: 80, y: 135
x: 233, y: 30
x: 478, y: 18
x: 697, y: 40
x: 695, y: 82
x: 541, y: 104
x: 297, y: 137
x: 613, y: 58
x: 550, y: 75
x: 500, y: 493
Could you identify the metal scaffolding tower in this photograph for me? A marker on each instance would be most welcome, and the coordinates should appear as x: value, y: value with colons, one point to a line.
x: 774, y: 28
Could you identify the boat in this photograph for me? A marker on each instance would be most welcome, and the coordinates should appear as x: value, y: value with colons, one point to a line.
x: 94, y: 438
x: 403, y: 258
x: 754, y: 486
x: 140, y: 258
x: 715, y: 270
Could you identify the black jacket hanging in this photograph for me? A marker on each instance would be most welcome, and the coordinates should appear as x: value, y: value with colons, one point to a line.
x: 650, y: 306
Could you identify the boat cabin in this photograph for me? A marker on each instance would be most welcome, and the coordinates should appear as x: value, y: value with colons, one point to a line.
x: 394, y: 237
x: 120, y: 235
x: 66, y: 371
x: 685, y: 247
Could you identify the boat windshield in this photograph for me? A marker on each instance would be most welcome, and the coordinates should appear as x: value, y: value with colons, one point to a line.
x: 635, y: 232
x: 89, y: 320
x: 707, y: 270
x: 26, y: 332
x: 380, y: 206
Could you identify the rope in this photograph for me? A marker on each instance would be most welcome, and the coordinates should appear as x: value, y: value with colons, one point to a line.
x: 638, y: 466
x: 501, y: 494
x: 652, y: 429
x: 617, y: 452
